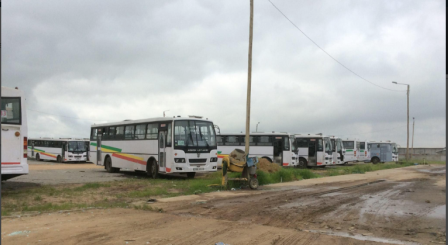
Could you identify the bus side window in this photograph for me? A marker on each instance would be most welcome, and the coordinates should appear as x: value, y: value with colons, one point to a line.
x: 264, y: 140
x: 119, y: 133
x: 169, y: 136
x: 129, y: 132
x: 320, y: 145
x: 93, y: 134
x: 231, y: 140
x: 219, y: 140
x: 111, y: 133
x: 286, y: 143
x: 140, y: 131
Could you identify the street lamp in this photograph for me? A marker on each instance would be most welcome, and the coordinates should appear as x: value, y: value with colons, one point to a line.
x: 164, y: 113
x: 407, y: 144
x: 256, y: 128
x: 413, y: 128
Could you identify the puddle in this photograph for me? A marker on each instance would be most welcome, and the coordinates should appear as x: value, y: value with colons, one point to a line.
x: 438, y: 212
x: 332, y: 194
x: 365, y: 238
x: 433, y: 171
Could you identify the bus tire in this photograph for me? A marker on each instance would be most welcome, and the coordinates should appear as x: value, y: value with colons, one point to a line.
x: 191, y: 175
x: 302, y: 163
x: 108, y: 166
x: 152, y: 169
x: 267, y: 158
x: 37, y: 157
x: 59, y: 159
x: 375, y: 160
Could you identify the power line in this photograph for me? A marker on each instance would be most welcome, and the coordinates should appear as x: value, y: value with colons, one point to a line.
x: 317, y: 45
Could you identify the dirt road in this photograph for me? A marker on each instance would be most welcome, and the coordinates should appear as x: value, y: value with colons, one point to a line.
x: 399, y: 206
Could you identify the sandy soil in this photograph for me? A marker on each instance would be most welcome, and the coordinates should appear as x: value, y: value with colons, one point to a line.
x: 399, y: 206
x: 36, y: 166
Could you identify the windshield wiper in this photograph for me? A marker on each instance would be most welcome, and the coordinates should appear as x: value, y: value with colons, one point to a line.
x: 202, y: 137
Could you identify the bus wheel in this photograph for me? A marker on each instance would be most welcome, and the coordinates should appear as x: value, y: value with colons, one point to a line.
x: 108, y: 166
x: 302, y: 163
x: 375, y: 160
x: 152, y: 170
x: 59, y: 159
x: 37, y: 157
x: 191, y: 175
x: 253, y: 183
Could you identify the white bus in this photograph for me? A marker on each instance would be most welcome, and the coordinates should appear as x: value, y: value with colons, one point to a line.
x: 313, y: 150
x: 14, y: 133
x: 275, y: 147
x: 351, y: 150
x: 364, y: 151
x: 337, y: 149
x: 156, y: 145
x: 60, y: 150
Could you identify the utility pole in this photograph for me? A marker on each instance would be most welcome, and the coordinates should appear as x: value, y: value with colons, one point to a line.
x: 407, y: 146
x: 407, y: 140
x: 256, y: 128
x: 249, y: 77
x: 413, y: 128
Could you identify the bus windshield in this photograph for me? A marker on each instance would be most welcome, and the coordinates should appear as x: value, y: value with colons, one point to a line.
x: 349, y: 144
x: 11, y: 113
x: 394, y: 148
x: 192, y: 133
x: 76, y: 146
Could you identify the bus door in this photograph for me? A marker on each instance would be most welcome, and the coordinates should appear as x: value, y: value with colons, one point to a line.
x: 312, y: 152
x: 162, y: 149
x: 32, y: 148
x: 64, y: 148
x: 278, y: 150
x: 384, y: 149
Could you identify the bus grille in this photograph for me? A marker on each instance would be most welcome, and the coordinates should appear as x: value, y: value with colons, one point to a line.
x: 198, y: 160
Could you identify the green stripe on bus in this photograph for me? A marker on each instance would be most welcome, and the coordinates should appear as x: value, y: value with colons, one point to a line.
x: 107, y: 147
x: 348, y: 150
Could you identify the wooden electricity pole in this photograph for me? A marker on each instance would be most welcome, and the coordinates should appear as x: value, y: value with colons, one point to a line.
x: 413, y: 128
x: 249, y: 77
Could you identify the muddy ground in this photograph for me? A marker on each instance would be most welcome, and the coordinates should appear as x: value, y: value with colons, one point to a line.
x: 397, y: 206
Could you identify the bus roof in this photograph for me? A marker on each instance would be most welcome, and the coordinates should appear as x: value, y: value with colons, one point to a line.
x: 149, y: 120
x: 310, y: 136
x: 348, y: 139
x: 256, y: 133
x: 57, y: 139
x: 6, y: 91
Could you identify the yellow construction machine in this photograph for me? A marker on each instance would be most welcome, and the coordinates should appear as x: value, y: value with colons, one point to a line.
x: 237, y: 161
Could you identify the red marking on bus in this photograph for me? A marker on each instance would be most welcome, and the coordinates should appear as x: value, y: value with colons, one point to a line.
x: 285, y: 164
x: 168, y: 170
x: 10, y: 163
x: 319, y: 163
x: 129, y: 159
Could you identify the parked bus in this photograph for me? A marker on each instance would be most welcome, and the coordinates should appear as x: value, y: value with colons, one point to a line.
x: 156, y: 145
x: 313, y: 150
x: 337, y: 149
x: 364, y: 151
x: 60, y: 150
x: 14, y: 133
x: 275, y: 147
x: 351, y: 150
x: 383, y: 152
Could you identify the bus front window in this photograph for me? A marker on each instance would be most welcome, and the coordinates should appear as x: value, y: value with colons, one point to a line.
x: 196, y: 134
x: 76, y: 146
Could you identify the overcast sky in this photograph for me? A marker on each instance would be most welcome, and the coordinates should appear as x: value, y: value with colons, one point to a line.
x: 85, y: 62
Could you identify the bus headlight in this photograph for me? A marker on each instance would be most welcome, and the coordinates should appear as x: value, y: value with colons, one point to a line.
x: 179, y: 160
x: 213, y: 159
